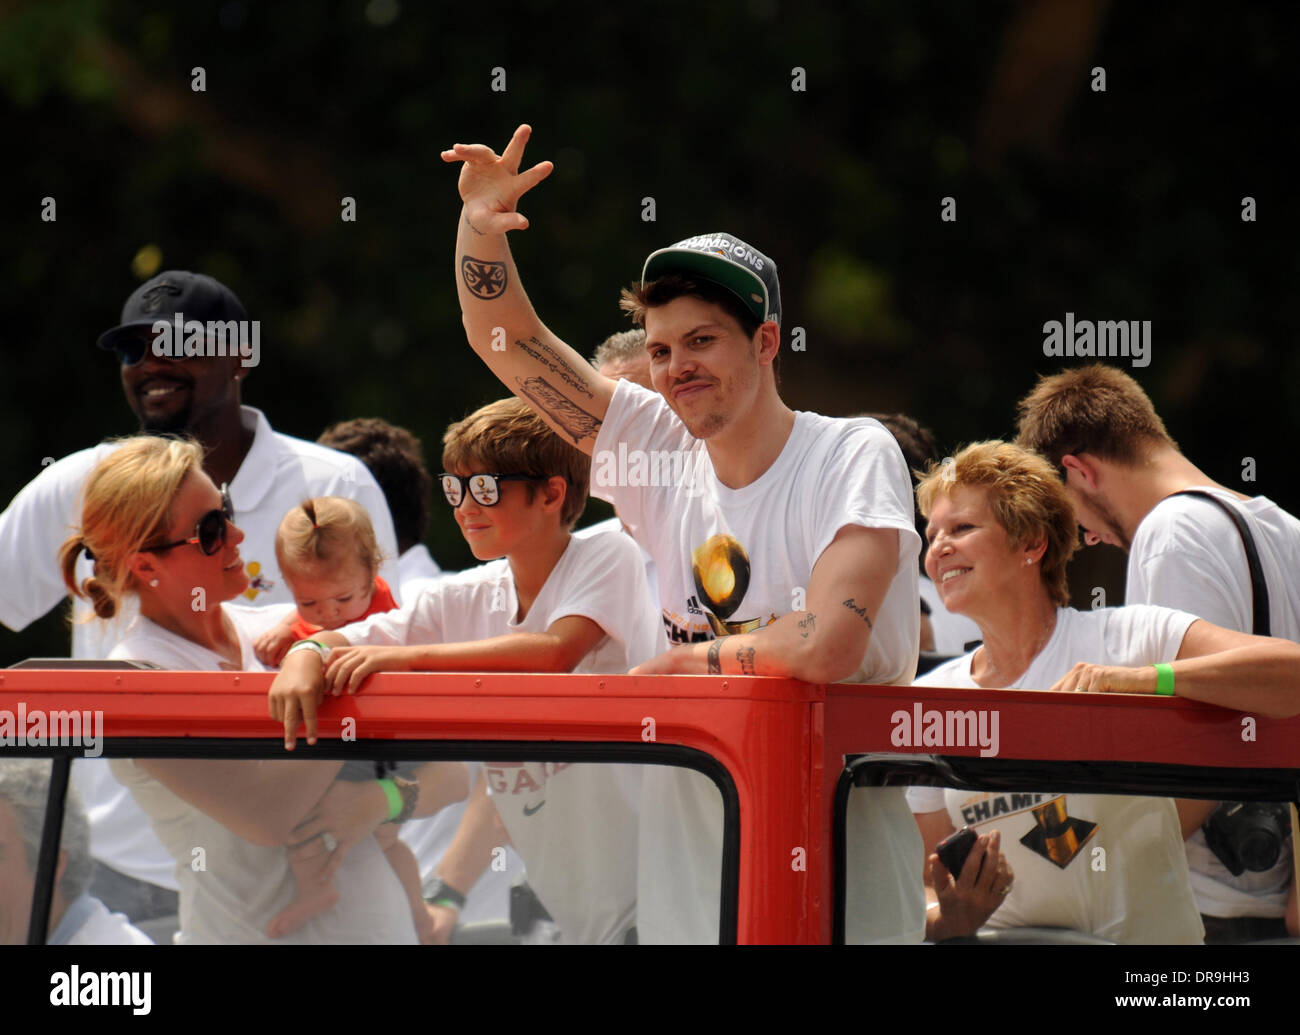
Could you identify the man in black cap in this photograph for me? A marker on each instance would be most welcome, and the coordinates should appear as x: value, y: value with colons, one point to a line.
x: 783, y: 541
x: 185, y: 345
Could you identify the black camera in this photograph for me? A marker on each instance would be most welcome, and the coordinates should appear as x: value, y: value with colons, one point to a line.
x: 1248, y: 835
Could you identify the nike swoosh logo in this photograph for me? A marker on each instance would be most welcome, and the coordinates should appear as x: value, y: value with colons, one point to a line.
x: 533, y: 810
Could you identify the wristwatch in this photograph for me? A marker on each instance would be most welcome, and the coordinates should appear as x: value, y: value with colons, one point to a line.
x: 443, y: 894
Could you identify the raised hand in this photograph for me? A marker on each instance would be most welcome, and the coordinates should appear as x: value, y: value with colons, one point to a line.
x: 491, y: 185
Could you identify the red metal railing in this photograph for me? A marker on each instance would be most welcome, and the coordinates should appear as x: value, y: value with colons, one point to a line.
x: 782, y: 742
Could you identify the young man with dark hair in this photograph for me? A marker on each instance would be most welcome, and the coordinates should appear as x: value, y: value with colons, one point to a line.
x: 783, y: 541
x: 1128, y: 482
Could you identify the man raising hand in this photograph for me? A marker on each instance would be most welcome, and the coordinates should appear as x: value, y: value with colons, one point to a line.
x: 783, y: 541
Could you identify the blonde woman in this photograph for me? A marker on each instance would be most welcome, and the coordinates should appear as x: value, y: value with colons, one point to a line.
x: 156, y: 526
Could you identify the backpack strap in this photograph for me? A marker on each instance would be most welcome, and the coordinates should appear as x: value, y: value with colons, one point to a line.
x: 1258, y: 587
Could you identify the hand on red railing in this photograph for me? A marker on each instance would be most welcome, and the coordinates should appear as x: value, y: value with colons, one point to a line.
x: 295, y: 694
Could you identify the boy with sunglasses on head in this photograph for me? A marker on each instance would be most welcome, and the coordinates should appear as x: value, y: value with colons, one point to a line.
x: 545, y: 602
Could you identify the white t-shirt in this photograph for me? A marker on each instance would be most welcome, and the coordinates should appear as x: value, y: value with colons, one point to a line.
x: 1188, y: 554
x: 1105, y: 864
x: 241, y: 886
x: 415, y: 568
x: 769, y: 534
x: 278, y: 473
x: 429, y: 837
x: 1142, y: 895
x: 615, y: 525
x: 120, y: 833
x: 832, y: 472
x: 581, y: 858
x: 145, y: 640
x: 91, y: 923
x: 574, y: 826
x: 1135, y: 635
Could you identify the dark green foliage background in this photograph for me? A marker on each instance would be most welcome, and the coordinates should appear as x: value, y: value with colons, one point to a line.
x: 1128, y: 208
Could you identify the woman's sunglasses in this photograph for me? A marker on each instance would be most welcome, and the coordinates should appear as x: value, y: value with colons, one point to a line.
x: 484, y: 489
x: 210, y: 533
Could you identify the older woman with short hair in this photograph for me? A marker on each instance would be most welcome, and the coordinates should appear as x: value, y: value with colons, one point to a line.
x: 1001, y: 532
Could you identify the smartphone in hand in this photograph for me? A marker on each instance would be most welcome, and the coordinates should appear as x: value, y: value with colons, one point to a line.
x: 954, y: 849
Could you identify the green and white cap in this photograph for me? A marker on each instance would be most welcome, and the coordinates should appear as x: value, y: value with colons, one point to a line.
x: 727, y: 261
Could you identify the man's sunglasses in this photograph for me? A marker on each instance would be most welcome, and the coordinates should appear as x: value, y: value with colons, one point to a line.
x: 485, y: 489
x: 130, y: 351
x: 210, y: 533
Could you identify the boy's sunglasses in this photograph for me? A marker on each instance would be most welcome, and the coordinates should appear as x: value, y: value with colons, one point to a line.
x: 210, y: 533
x: 485, y: 489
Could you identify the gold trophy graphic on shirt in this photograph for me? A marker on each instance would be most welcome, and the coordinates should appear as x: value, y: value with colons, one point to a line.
x: 721, y: 569
x: 1057, y: 836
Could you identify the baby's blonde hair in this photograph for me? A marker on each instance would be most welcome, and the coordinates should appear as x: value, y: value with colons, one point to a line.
x: 326, y: 528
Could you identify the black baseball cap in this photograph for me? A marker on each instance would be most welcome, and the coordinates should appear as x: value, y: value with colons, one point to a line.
x: 728, y: 261
x: 195, y: 296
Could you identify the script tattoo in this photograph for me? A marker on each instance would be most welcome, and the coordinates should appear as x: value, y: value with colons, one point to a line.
x: 745, y: 655
x: 861, y: 612
x: 715, y: 664
x: 574, y: 421
x: 485, y: 279
x: 807, y: 625
x: 472, y: 226
x: 556, y: 364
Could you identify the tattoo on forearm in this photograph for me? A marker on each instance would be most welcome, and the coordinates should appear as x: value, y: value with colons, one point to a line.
x: 484, y: 278
x: 472, y: 226
x: 807, y: 624
x: 574, y: 421
x: 556, y: 364
x: 745, y: 655
x: 715, y: 663
x: 861, y: 612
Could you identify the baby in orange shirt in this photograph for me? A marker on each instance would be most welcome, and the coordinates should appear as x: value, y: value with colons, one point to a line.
x: 329, y: 558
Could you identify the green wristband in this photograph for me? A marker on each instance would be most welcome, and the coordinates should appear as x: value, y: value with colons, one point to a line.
x: 394, y: 796
x: 1164, y: 678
